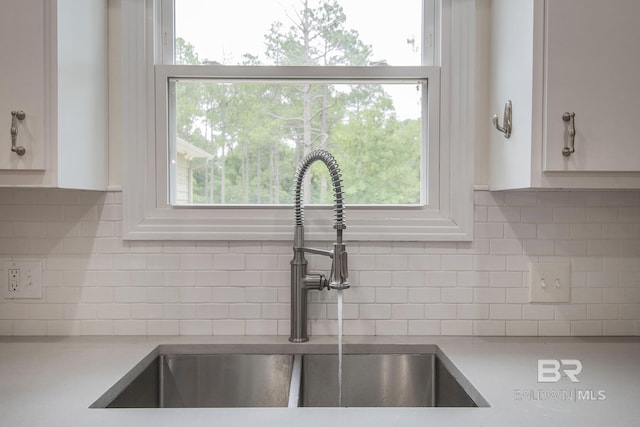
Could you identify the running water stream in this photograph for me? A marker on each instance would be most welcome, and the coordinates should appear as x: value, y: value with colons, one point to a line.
x: 339, y: 348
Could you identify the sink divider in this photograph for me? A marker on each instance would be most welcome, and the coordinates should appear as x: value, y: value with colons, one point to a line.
x: 295, y: 384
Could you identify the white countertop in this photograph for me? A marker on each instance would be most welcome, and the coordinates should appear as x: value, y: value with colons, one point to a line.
x: 51, y: 381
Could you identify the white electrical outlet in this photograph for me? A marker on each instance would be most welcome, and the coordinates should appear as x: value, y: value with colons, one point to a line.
x: 549, y: 282
x: 21, y: 279
x: 14, y: 279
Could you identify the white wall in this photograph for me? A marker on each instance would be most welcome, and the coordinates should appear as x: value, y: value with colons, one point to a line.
x: 97, y: 284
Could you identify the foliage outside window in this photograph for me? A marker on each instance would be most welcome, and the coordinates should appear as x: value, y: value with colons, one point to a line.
x: 237, y: 140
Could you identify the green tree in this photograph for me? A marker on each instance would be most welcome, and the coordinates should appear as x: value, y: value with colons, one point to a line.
x: 258, y: 131
x: 316, y: 36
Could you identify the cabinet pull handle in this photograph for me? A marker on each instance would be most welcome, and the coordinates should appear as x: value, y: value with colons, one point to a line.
x: 15, y: 116
x: 571, y: 148
x: 506, y: 121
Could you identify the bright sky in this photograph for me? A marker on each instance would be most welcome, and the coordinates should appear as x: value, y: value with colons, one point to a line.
x: 223, y: 30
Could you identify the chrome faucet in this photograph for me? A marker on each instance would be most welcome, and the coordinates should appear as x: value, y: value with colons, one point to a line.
x: 301, y: 281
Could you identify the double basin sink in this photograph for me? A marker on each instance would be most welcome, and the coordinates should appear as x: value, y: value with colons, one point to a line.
x: 242, y: 375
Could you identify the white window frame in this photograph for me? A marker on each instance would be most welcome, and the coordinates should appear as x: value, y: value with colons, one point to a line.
x: 149, y: 216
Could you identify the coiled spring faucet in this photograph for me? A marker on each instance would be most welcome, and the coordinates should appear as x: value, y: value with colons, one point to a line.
x: 301, y: 281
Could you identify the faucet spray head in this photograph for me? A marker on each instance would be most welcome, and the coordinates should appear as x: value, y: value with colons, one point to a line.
x: 339, y: 278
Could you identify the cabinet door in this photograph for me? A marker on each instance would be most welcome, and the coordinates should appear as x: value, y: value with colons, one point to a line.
x: 593, y: 70
x: 22, y: 82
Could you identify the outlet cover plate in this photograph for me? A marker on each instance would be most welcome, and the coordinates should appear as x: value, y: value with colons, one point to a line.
x: 549, y: 282
x: 29, y: 283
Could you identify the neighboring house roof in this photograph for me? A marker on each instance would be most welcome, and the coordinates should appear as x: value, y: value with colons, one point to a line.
x: 190, y: 151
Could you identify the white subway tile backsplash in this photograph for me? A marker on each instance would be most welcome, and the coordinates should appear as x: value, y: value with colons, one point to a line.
x: 489, y: 295
x: 196, y: 295
x: 629, y: 311
x: 456, y: 327
x: 503, y: 214
x: 349, y: 311
x: 424, y: 327
x: 96, y: 283
x: 515, y: 230
x: 597, y: 279
x: 391, y: 295
x: 244, y: 311
x: 506, y: 279
x: 245, y: 278
x: 554, y: 328
x: 472, y: 311
x: 522, y: 328
x: 129, y: 262
x: 618, y: 327
x: 165, y: 327
x: 571, y: 312
x: 212, y: 311
x: 212, y: 247
x: 488, y: 263
x: 261, y: 327
x: 473, y: 278
x: 128, y: 327
x: 456, y: 262
x: 162, y: 295
x: 586, y: 328
x: 407, y: 311
x: 391, y: 262
x: 359, y: 327
x: 375, y: 311
x: 489, y: 230
x: 588, y: 295
x: 179, y: 311
x: 424, y: 295
x: 603, y: 247
x: 537, y: 215
x: 456, y: 295
x: 391, y: 327
x: 538, y: 312
x: 97, y: 327
x: 517, y: 295
x: 374, y: 278
x: 423, y: 262
x: 147, y: 311
x: 229, y: 294
x: 440, y: 278
x: 602, y: 311
x: 46, y: 311
x: 489, y: 327
x: 162, y: 262
x: 505, y: 311
x: 65, y: 327
x: 196, y: 327
x: 195, y: 261
x: 14, y: 311
x: 407, y: 278
x: 440, y: 311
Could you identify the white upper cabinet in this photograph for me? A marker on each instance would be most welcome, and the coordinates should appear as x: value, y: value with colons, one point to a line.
x: 570, y: 69
x: 53, y: 94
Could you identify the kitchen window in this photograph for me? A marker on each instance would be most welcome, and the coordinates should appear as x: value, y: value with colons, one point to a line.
x: 231, y: 112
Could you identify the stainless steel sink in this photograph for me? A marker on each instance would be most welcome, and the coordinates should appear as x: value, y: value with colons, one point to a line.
x: 382, y: 380
x: 191, y: 376
x: 196, y: 380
